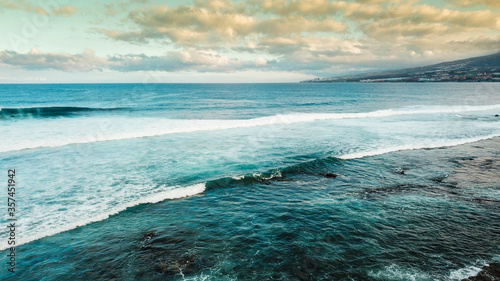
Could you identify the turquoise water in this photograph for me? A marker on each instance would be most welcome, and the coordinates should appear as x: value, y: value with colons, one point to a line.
x: 227, y: 182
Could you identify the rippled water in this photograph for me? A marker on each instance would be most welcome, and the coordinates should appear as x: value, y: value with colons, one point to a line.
x: 283, y: 181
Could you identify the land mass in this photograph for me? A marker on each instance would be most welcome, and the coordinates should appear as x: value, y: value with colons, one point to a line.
x: 476, y: 69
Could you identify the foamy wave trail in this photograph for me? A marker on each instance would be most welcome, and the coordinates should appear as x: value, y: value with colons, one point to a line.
x: 47, y: 112
x: 307, y: 117
x: 318, y: 167
x: 396, y: 272
x: 425, y: 145
x: 94, y: 129
x: 176, y: 193
x: 471, y: 270
x: 464, y: 273
x: 265, y: 177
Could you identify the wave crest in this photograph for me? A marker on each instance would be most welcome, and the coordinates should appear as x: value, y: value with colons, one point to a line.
x: 47, y: 112
x: 176, y: 193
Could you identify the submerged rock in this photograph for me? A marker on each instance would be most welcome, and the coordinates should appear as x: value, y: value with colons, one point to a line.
x: 439, y: 179
x: 486, y: 201
x: 393, y: 189
x: 169, y: 253
x: 400, y: 171
x: 488, y: 273
x: 267, y: 181
x: 282, y: 179
x: 329, y: 175
x: 148, y: 235
x: 182, y: 266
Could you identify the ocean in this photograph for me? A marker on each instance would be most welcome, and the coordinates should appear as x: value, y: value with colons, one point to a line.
x: 341, y: 181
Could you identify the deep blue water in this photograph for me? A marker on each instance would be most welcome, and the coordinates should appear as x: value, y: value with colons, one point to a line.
x: 248, y: 181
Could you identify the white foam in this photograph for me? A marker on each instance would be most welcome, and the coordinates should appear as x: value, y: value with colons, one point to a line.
x: 463, y: 273
x: 471, y: 270
x: 29, y: 134
x: 172, y: 193
x: 396, y: 272
x: 425, y: 145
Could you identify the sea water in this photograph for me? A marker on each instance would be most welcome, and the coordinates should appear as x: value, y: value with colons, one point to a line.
x: 246, y: 181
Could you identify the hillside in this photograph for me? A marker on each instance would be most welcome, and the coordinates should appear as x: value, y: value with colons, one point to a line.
x: 476, y: 69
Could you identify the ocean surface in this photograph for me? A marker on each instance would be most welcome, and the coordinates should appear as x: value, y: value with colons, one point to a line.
x: 247, y: 181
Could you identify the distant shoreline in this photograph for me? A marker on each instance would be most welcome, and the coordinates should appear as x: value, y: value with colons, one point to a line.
x: 400, y: 81
x: 476, y: 69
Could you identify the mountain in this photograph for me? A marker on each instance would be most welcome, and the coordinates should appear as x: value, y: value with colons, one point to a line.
x: 476, y: 69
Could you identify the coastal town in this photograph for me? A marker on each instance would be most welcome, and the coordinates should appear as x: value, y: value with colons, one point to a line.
x: 429, y: 76
x: 478, y: 69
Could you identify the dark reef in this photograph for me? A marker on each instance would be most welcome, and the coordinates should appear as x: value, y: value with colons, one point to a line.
x: 488, y: 273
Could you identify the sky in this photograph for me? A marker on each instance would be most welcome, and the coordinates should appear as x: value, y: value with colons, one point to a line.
x: 226, y: 41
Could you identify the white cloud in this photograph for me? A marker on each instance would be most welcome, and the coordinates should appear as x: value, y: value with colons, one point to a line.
x: 36, y: 60
x: 172, y: 61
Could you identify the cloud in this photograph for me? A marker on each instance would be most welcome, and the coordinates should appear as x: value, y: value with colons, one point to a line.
x: 21, y: 5
x: 193, y: 25
x: 54, y: 7
x: 185, y: 60
x: 218, y: 23
x: 286, y: 8
x: 36, y: 60
x: 66, y: 11
x: 468, y: 3
x: 231, y: 25
x: 297, y: 25
x: 477, y: 44
x: 398, y: 30
x: 110, y: 10
x: 132, y: 37
x: 172, y: 61
x: 415, y: 14
x: 407, y: 21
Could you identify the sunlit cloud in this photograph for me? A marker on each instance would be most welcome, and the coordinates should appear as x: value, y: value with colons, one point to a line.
x: 21, y: 5
x: 469, y: 3
x: 49, y: 8
x: 284, y: 26
x: 66, y: 11
x: 217, y: 23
